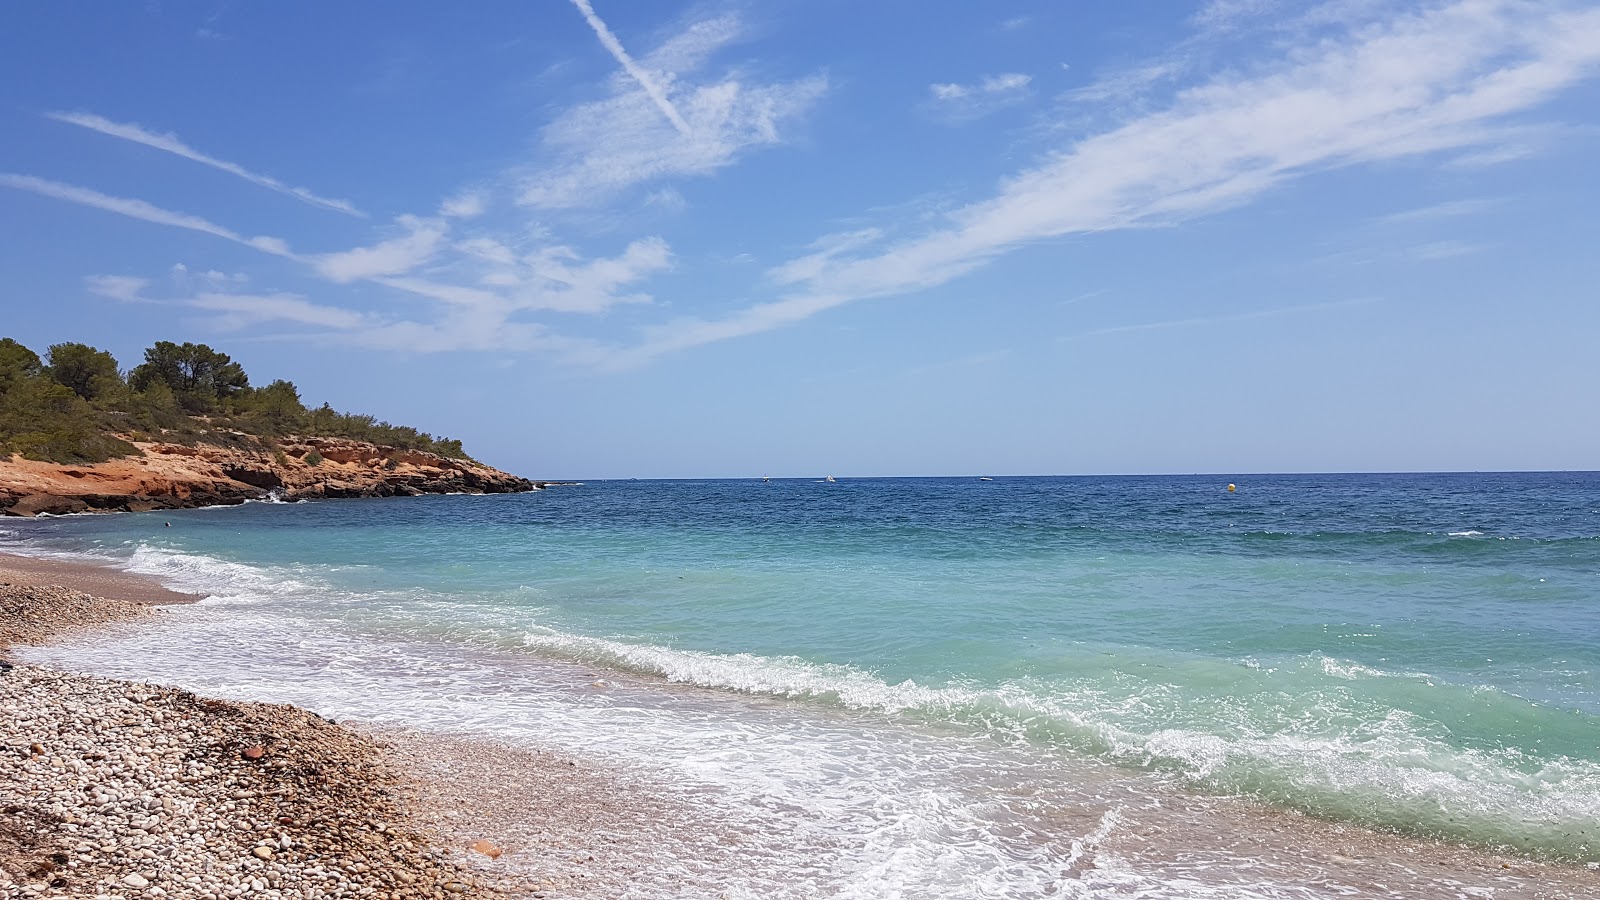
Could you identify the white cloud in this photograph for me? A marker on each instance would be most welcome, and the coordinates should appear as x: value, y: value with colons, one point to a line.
x: 467, y: 205
x: 124, y: 288
x: 826, y: 248
x: 668, y: 200
x: 392, y: 257
x: 490, y: 276
x: 958, y: 103
x: 171, y: 143
x: 245, y: 310
x: 644, y: 79
x: 1436, y: 250
x: 1449, y: 209
x: 137, y: 209
x: 595, y: 150
x: 1126, y: 83
x: 1237, y: 317
x: 1418, y: 84
x: 1222, y: 14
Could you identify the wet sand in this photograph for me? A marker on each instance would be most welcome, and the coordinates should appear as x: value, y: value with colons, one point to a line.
x: 99, y: 580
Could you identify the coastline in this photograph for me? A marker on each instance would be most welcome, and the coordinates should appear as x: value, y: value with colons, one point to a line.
x: 164, y: 475
x: 124, y: 789
x: 567, y: 825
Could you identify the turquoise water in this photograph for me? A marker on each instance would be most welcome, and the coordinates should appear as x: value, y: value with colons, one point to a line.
x: 1419, y: 653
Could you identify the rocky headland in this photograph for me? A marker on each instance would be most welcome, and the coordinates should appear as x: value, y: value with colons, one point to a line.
x: 165, y: 475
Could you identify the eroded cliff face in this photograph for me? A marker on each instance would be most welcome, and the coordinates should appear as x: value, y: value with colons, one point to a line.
x: 173, y: 476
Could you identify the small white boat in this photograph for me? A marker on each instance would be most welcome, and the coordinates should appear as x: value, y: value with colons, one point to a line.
x: 829, y: 480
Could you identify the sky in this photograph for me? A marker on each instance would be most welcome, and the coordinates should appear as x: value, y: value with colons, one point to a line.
x: 596, y: 239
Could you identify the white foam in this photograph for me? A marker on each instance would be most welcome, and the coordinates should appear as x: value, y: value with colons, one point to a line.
x: 893, y: 798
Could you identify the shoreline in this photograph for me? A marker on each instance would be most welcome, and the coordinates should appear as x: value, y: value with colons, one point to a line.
x: 160, y: 475
x: 571, y: 826
x: 123, y: 789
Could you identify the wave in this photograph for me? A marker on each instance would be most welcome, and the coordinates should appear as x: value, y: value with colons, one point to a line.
x: 1327, y: 736
x: 1397, y: 771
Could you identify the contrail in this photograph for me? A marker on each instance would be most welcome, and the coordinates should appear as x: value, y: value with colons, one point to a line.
x: 171, y: 144
x: 138, y: 209
x: 611, y: 43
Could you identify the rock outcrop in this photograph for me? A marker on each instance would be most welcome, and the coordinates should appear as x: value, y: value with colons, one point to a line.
x: 173, y: 476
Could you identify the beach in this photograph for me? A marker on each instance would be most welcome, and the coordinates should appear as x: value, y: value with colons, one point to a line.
x: 121, y: 789
x: 132, y: 790
x: 601, y: 768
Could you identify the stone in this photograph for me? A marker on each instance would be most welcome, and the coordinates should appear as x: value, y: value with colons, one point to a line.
x: 262, y: 853
x: 135, y: 881
x: 487, y: 849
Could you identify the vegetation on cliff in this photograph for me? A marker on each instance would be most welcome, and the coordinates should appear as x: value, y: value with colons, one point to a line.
x: 76, y: 405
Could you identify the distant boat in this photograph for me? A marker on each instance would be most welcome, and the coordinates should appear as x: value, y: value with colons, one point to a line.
x: 765, y: 479
x: 984, y: 478
x: 829, y: 480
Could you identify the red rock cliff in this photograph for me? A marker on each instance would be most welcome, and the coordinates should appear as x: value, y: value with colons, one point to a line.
x: 171, y: 476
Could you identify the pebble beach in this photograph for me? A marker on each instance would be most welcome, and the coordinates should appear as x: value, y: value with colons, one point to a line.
x: 113, y: 789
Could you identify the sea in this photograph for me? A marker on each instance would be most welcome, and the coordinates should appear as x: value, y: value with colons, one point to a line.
x: 947, y: 687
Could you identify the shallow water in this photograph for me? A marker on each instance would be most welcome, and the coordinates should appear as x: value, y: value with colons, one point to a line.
x: 920, y: 687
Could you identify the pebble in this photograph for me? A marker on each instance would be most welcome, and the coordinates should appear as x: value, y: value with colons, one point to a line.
x: 102, y: 775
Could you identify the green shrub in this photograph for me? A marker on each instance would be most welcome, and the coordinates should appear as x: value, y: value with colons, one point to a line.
x: 312, y: 459
x: 69, y: 446
x: 70, y: 409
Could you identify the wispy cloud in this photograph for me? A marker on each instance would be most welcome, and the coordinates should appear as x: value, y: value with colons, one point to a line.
x: 1449, y: 209
x: 595, y: 150
x: 236, y: 310
x: 648, y: 83
x: 122, y: 288
x: 957, y: 103
x: 170, y: 143
x: 239, y: 311
x: 1437, y: 250
x: 138, y: 209
x: 465, y: 205
x: 1008, y: 83
x: 1222, y: 14
x: 1424, y: 83
x: 970, y: 361
x: 395, y: 256
x: 1215, y: 320
x: 1440, y: 83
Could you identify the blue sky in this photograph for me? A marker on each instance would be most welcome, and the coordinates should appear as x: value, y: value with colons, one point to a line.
x: 601, y: 239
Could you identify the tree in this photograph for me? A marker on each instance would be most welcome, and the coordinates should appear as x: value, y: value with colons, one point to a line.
x: 16, y: 363
x: 155, y: 408
x: 277, y: 407
x: 87, y: 371
x: 44, y: 420
x: 198, y: 375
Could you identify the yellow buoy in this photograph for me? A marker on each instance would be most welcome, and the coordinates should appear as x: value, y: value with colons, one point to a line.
x: 1231, y: 488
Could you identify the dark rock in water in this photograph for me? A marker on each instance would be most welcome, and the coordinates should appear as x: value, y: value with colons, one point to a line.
x: 47, y: 504
x: 261, y: 478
